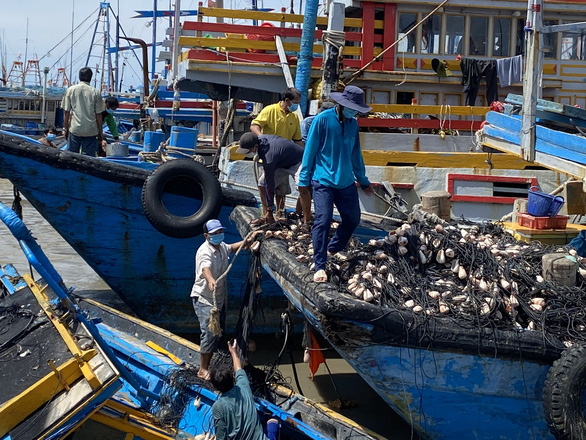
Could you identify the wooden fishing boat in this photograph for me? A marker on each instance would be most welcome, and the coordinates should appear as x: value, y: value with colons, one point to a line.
x: 447, y: 378
x: 80, y: 367
x: 98, y: 207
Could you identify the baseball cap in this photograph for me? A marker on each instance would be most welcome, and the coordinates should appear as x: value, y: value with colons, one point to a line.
x: 247, y: 141
x: 213, y: 225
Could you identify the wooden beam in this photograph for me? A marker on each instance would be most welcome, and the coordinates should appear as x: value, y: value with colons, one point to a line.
x: 417, y: 123
x: 459, y: 110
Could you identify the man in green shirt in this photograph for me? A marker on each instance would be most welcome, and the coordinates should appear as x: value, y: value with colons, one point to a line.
x: 235, y: 415
x: 108, y: 118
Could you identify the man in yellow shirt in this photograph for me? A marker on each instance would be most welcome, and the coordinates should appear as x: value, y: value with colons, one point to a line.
x: 281, y: 120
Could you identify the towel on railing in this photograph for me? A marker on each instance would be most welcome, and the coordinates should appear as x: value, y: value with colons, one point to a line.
x: 509, y: 70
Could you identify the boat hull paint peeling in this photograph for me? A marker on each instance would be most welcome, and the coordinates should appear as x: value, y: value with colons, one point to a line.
x: 96, y: 207
x: 444, y: 380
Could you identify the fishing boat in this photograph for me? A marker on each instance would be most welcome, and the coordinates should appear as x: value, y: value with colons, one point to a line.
x: 77, y: 367
x: 100, y: 209
x: 452, y: 340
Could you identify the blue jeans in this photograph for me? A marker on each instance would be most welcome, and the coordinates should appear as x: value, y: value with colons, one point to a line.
x: 324, y: 199
x: 208, y: 341
x: 87, y: 145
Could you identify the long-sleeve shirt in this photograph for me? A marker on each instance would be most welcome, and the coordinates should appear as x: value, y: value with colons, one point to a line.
x: 332, y: 153
x: 108, y: 119
x: 275, y: 153
x: 235, y: 415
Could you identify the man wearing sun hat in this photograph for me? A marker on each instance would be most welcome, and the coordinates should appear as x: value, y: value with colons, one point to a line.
x: 281, y: 158
x: 211, y: 261
x: 332, y: 163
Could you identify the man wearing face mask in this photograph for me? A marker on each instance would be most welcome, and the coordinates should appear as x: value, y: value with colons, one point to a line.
x: 108, y: 118
x: 281, y: 120
x: 332, y: 162
x: 211, y: 261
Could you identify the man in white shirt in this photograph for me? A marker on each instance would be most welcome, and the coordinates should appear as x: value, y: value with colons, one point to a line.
x: 211, y: 261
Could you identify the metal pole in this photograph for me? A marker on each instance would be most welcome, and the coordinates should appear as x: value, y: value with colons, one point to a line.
x: 531, y: 78
x: 330, y: 74
x: 45, y: 71
x: 154, y: 51
x: 303, y: 73
x: 176, y: 34
x: 71, y: 45
x: 117, y: 71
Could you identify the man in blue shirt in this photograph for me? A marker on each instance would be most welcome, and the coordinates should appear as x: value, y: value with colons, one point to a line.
x: 281, y: 158
x: 332, y: 162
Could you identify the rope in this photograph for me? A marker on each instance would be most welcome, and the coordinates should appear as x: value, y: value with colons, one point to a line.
x: 214, y: 324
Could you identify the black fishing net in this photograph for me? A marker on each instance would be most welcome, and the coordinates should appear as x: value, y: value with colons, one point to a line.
x: 15, y: 322
x: 475, y: 274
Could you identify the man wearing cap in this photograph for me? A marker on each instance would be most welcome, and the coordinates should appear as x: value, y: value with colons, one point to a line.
x: 211, y: 261
x: 280, y: 159
x: 332, y: 162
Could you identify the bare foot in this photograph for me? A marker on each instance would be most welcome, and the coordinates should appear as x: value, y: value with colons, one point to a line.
x: 320, y: 276
x: 203, y: 374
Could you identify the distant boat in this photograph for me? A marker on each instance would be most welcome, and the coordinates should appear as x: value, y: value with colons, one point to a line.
x: 88, y: 368
x: 446, y: 377
x: 97, y: 207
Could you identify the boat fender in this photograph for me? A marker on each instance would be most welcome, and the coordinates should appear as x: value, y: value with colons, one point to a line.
x: 562, y: 395
x: 186, y: 177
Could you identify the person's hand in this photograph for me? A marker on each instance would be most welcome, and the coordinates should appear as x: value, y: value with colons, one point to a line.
x: 104, y: 143
x: 269, y: 217
x: 369, y: 191
x: 212, y: 285
x: 232, y: 347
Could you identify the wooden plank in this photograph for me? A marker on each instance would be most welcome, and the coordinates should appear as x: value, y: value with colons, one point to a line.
x: 259, y: 30
x: 460, y: 110
x: 550, y: 106
x: 242, y: 43
x: 389, y: 35
x: 417, y: 123
x: 276, y: 16
x: 367, y: 32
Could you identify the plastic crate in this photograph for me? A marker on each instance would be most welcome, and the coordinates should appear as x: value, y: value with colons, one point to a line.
x: 532, y: 222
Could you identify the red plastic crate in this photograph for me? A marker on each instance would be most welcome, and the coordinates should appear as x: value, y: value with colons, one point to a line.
x: 532, y: 222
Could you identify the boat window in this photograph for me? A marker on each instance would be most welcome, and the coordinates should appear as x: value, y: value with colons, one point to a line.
x: 549, y: 40
x: 454, y: 35
x: 573, y: 46
x: 430, y: 34
x: 502, y: 37
x: 407, y: 21
x: 520, y: 45
x: 405, y: 97
x: 478, y: 35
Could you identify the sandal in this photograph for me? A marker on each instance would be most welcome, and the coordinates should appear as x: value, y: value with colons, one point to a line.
x: 320, y: 276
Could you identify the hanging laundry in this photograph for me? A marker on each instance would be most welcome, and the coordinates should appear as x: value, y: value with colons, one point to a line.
x: 510, y: 70
x: 472, y: 71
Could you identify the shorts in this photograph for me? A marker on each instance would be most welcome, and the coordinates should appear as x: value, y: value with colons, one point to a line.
x: 208, y: 341
x: 282, y: 185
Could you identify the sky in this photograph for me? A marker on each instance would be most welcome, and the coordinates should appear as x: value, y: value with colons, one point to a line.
x: 49, y: 22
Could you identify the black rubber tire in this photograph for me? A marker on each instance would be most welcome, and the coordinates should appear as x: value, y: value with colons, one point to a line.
x: 165, y: 178
x: 562, y: 395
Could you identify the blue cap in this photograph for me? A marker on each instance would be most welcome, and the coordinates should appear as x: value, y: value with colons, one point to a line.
x: 213, y: 226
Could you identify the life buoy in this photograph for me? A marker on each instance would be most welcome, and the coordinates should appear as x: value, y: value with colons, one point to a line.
x: 184, y: 177
x: 562, y: 395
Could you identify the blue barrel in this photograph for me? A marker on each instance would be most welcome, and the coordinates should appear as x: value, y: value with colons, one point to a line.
x: 152, y: 140
x: 183, y: 137
x: 31, y: 128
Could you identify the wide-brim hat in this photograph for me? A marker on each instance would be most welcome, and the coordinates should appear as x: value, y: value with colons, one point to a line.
x: 353, y: 98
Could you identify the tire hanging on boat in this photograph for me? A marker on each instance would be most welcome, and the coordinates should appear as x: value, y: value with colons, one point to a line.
x: 187, y: 178
x: 562, y: 395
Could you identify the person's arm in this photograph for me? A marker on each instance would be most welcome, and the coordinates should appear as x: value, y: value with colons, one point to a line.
x: 256, y: 129
x: 66, y: 123
x: 358, y: 166
x: 111, y: 123
x: 311, y: 147
x: 219, y: 424
x: 297, y: 136
x: 259, y: 122
x: 235, y: 246
x: 235, y: 358
x: 100, y: 122
x: 206, y: 273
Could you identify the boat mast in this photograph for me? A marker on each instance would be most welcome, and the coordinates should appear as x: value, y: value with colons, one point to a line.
x: 531, y: 78
x: 71, y: 45
x: 26, y: 43
x: 154, y: 51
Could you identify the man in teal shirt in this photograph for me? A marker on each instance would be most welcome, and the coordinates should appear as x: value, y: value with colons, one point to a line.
x: 235, y: 415
x: 332, y: 162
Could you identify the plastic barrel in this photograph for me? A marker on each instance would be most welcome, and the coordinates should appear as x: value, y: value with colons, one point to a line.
x: 543, y: 205
x: 185, y: 138
x: 152, y: 140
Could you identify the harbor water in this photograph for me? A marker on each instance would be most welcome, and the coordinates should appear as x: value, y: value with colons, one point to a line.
x: 364, y: 406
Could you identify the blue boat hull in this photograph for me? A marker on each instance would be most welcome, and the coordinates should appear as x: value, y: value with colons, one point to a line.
x: 96, y: 207
x: 445, y: 381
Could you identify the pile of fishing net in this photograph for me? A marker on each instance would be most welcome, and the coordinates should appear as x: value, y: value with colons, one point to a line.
x: 474, y: 273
